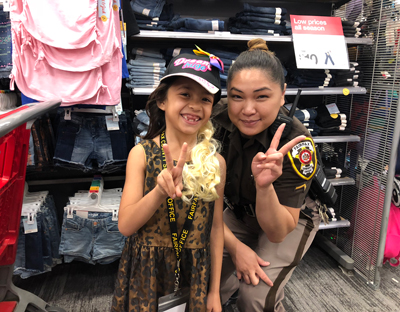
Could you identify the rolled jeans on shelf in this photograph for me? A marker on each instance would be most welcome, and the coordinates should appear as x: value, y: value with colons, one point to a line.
x: 196, y: 24
x: 306, y: 114
x: 151, y: 27
x: 144, y: 82
x: 146, y: 69
x: 268, y: 10
x: 263, y: 32
x: 260, y: 25
x: 132, y: 86
x: 147, y: 64
x: 144, y: 76
x: 150, y: 8
x: 148, y: 52
x: 147, y: 59
x: 263, y: 15
x: 269, y: 20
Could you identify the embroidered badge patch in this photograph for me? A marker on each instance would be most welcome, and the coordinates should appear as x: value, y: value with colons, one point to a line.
x: 304, y: 158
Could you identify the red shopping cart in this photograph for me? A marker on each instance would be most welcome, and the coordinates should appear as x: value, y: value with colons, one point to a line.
x: 14, y: 146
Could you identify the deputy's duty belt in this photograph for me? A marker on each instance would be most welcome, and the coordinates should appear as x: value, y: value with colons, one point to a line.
x: 249, y: 209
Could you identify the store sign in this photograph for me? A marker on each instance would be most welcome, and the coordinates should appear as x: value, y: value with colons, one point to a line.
x: 319, y: 42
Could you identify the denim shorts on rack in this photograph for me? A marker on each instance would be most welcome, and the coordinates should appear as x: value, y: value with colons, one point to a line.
x: 84, y: 143
x: 150, y: 8
x: 33, y: 251
x: 92, y: 240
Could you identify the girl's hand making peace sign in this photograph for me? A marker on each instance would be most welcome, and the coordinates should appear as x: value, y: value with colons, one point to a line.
x: 170, y: 179
x: 267, y: 167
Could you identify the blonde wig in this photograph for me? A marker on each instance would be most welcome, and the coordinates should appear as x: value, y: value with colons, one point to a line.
x: 202, y: 174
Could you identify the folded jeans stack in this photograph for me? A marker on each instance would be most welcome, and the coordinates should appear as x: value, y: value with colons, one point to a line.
x: 350, y: 78
x: 186, y: 24
x: 332, y: 124
x: 152, y: 18
x: 306, y: 78
x: 146, y: 69
x: 259, y: 21
x: 353, y: 28
x: 307, y: 118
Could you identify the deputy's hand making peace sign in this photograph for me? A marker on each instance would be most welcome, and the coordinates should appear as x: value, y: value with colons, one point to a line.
x: 267, y: 167
x: 170, y: 179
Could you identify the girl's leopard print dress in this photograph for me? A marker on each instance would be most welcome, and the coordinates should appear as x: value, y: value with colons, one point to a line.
x: 146, y: 269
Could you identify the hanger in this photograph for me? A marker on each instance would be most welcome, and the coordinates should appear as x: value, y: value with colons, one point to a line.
x: 110, y: 109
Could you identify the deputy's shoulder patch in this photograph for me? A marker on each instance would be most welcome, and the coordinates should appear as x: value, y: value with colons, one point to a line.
x: 303, y: 157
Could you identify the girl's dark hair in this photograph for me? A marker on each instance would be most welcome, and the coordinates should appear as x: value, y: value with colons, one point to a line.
x: 156, y: 115
x: 260, y: 57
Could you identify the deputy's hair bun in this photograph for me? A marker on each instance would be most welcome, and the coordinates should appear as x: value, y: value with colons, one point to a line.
x: 258, y: 44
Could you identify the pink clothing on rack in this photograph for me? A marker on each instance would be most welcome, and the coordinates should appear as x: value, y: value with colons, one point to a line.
x: 62, y: 24
x: 96, y: 54
x: 40, y: 81
x: 110, y: 92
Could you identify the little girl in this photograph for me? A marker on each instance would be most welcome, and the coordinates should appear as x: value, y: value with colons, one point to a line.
x: 173, y: 209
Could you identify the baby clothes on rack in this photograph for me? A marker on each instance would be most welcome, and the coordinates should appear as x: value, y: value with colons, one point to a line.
x: 90, y: 227
x: 39, y: 236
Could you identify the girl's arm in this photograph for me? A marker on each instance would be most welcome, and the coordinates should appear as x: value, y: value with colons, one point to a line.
x: 135, y: 209
x: 217, y: 244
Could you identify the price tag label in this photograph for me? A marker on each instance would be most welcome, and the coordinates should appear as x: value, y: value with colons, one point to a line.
x: 6, y: 6
x: 30, y: 224
x: 319, y: 42
x: 111, y: 124
x: 332, y: 108
x: 103, y: 9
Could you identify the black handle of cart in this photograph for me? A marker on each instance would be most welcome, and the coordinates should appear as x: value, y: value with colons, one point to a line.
x: 14, y: 146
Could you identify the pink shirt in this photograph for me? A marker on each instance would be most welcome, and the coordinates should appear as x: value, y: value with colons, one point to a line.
x: 62, y: 24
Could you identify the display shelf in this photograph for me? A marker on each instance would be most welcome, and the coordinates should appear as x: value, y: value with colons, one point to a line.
x: 336, y: 138
x: 334, y: 224
x: 225, y: 35
x: 289, y: 91
x: 342, y: 181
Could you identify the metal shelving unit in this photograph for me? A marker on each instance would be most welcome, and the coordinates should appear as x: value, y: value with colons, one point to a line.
x: 342, y: 181
x: 336, y: 139
x: 226, y: 35
x: 289, y: 91
x: 334, y: 224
